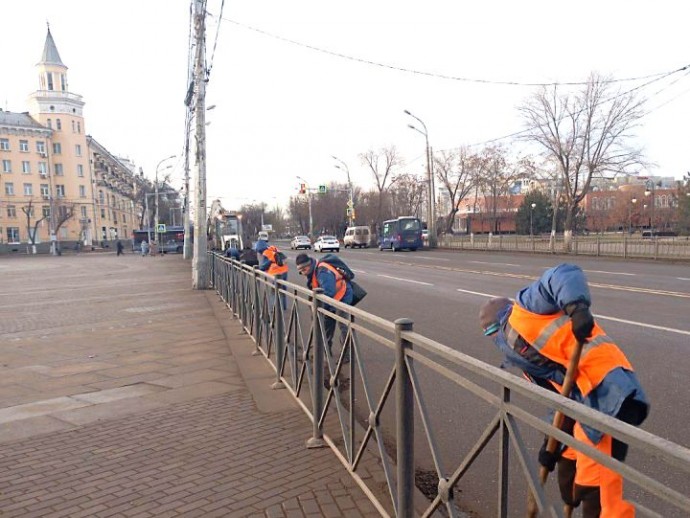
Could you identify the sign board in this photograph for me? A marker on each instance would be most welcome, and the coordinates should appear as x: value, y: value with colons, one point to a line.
x: 267, y: 228
x: 350, y: 204
x: 322, y: 189
x: 160, y: 228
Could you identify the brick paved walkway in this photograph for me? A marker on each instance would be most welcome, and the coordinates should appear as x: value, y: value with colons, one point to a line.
x: 120, y: 395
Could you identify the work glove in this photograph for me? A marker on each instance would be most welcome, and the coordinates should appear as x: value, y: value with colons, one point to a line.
x: 549, y: 460
x: 582, y: 320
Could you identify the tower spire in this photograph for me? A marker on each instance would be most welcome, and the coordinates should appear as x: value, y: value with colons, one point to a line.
x: 50, y: 51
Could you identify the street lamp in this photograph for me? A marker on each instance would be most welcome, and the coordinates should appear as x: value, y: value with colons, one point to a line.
x: 431, y: 209
x: 351, y: 202
x: 650, y: 188
x: 311, y: 221
x: 633, y: 201
x: 531, y: 220
x: 156, y: 199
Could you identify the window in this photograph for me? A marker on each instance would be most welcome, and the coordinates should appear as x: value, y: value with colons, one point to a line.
x: 44, y: 190
x: 13, y: 235
x: 80, y: 171
x: 82, y: 191
x: 57, y: 148
x: 9, y: 188
x: 11, y: 211
x: 63, y: 212
x: 7, y: 166
x: 124, y: 218
x: 43, y: 168
x: 59, y: 171
x: 4, y: 144
x: 49, y: 76
x: 78, y: 127
x: 83, y: 211
x: 74, y: 126
x: 58, y: 124
x: 77, y: 150
x: 28, y: 189
x: 102, y: 213
x: 100, y: 197
x: 60, y: 191
x: 26, y: 167
x: 40, y: 146
x: 50, y: 123
x: 24, y: 146
x: 45, y: 210
x: 63, y: 82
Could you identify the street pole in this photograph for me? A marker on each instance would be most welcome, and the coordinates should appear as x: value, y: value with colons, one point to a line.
x: 311, y: 221
x: 148, y: 217
x: 156, y: 218
x: 51, y: 202
x: 187, y: 244
x: 431, y: 208
x: 200, y: 260
x: 351, y: 203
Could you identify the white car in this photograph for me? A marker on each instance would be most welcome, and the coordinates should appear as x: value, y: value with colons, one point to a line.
x: 300, y: 242
x: 327, y: 243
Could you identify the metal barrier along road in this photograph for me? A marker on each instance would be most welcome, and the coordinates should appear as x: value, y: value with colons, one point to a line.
x: 373, y: 402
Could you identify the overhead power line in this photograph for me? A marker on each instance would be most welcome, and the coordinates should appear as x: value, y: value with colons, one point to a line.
x: 434, y: 74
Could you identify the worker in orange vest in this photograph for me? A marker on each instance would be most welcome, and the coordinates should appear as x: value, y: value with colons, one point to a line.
x: 273, y: 262
x: 538, y: 333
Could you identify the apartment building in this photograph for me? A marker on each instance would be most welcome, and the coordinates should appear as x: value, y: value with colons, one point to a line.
x: 54, y: 178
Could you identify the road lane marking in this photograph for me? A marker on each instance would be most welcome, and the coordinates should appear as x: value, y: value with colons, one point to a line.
x: 405, y: 280
x: 357, y: 271
x: 493, y: 264
x: 601, y: 317
x: 683, y: 278
x: 610, y: 273
x: 432, y: 258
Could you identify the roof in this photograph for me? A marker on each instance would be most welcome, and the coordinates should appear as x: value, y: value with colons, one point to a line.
x: 19, y: 119
x: 50, y: 51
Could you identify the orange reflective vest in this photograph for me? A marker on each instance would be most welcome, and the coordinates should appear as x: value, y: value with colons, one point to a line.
x: 274, y: 269
x: 552, y: 336
x: 340, y: 283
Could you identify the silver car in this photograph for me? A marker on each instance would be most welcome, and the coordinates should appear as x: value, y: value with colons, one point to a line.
x: 300, y: 242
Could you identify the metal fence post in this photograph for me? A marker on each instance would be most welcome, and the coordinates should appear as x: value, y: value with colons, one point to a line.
x: 278, y: 334
x: 233, y: 288
x: 257, y: 311
x: 316, y: 440
x: 404, y: 411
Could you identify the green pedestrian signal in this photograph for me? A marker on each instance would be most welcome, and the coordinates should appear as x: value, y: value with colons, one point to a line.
x: 322, y: 189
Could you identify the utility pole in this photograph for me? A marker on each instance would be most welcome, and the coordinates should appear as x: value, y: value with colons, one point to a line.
x: 51, y: 202
x: 431, y: 208
x: 200, y: 260
x: 187, y: 247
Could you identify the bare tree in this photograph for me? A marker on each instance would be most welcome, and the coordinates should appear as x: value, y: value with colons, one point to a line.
x: 64, y: 211
x: 32, y: 229
x: 383, y: 164
x: 407, y: 195
x: 586, y: 133
x: 458, y: 172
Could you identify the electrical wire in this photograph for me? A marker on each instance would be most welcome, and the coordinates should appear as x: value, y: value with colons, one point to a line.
x: 215, y: 40
x: 434, y: 74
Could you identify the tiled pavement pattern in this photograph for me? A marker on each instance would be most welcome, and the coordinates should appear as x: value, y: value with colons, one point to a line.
x: 121, y: 394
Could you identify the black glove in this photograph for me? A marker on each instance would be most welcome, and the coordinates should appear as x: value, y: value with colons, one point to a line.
x: 548, y: 460
x: 582, y: 319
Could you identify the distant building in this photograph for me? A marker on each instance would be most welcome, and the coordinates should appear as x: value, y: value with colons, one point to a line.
x: 54, y: 175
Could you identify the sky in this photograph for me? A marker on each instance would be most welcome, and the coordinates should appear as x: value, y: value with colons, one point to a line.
x: 296, y: 83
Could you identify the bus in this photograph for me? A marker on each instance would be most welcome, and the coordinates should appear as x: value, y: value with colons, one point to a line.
x: 401, y: 233
x: 170, y: 241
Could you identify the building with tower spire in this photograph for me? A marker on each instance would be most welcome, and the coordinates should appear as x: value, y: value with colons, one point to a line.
x: 59, y: 187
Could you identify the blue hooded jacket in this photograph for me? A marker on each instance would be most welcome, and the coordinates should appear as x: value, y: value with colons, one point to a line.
x: 558, y: 287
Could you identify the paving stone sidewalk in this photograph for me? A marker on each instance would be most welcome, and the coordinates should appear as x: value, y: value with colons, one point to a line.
x: 121, y: 394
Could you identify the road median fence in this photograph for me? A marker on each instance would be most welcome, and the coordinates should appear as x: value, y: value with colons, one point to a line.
x: 375, y: 402
x: 600, y: 245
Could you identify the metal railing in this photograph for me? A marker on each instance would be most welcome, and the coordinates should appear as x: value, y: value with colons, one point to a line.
x: 606, y: 245
x: 372, y: 433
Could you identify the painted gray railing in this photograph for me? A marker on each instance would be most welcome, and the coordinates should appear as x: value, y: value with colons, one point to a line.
x: 606, y: 245
x: 292, y: 338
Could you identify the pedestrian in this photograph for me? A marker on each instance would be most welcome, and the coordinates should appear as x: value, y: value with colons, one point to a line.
x: 273, y: 262
x: 248, y: 256
x: 538, y: 334
x: 119, y: 247
x: 144, y: 248
x: 321, y: 274
x: 232, y: 253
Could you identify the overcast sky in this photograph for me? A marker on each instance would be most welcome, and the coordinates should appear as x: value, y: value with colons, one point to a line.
x: 284, y: 109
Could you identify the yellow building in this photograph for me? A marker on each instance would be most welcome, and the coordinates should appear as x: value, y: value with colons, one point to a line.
x: 55, y: 177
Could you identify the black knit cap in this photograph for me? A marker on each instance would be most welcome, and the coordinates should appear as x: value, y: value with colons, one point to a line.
x: 302, y: 259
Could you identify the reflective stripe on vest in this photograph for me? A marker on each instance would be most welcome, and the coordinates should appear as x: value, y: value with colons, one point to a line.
x: 552, y: 336
x: 340, y: 284
x: 274, y: 269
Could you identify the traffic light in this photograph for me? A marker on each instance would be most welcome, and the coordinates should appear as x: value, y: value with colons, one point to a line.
x: 302, y: 188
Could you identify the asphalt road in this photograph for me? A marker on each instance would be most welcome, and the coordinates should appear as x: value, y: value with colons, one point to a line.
x: 642, y: 305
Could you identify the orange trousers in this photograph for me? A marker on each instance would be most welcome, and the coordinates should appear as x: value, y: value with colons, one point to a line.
x: 590, y: 473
